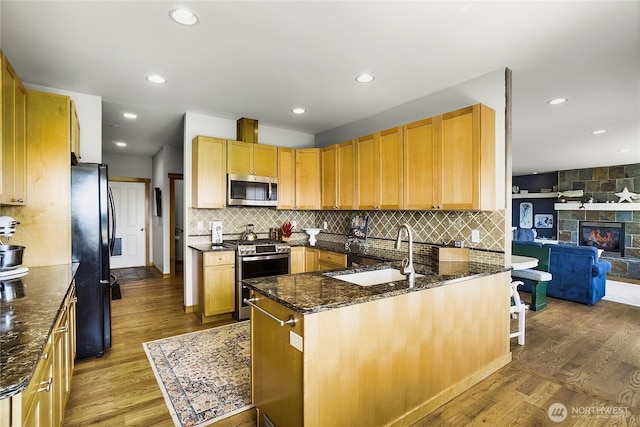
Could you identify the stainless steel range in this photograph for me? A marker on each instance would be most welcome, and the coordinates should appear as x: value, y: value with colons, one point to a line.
x: 257, y: 258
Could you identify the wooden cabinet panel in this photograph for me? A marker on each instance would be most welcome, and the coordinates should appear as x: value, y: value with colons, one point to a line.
x: 297, y: 259
x: 248, y: 158
x: 379, y: 170
x: 329, y: 160
x: 346, y: 175
x: 328, y: 260
x: 209, y: 169
x: 420, y: 154
x: 286, y: 178
x: 216, y: 283
x: 467, y: 145
x: 265, y: 160
x: 308, y: 192
x: 311, y: 260
x: 13, y: 179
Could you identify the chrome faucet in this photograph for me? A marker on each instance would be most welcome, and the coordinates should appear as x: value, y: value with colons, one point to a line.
x: 407, y: 263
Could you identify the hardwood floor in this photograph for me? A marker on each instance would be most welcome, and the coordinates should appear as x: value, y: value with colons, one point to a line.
x: 585, y: 358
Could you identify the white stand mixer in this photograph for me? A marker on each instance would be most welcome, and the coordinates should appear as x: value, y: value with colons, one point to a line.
x: 10, y: 255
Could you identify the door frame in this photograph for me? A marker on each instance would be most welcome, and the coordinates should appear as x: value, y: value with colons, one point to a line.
x: 173, y: 177
x: 147, y: 208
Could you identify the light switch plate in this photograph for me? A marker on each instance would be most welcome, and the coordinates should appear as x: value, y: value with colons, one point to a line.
x: 295, y: 340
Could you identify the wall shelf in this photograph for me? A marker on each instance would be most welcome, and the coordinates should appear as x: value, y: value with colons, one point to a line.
x: 549, y: 195
x: 597, y: 206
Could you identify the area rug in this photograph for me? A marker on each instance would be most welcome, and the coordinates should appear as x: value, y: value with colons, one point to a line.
x: 624, y: 293
x: 204, y: 376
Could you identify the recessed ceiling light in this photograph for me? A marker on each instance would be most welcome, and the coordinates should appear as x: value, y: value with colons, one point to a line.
x: 557, y: 101
x: 624, y: 150
x: 365, y: 78
x: 535, y: 173
x: 184, y: 16
x: 154, y: 78
x: 598, y: 132
x: 299, y: 110
x: 121, y: 144
x: 129, y: 115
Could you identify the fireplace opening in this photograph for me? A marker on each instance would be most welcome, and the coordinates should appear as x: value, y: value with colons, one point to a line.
x: 605, y: 235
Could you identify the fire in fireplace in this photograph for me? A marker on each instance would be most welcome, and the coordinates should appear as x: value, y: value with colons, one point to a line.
x: 606, y: 235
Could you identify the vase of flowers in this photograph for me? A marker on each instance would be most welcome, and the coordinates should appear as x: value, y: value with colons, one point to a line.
x: 286, y: 230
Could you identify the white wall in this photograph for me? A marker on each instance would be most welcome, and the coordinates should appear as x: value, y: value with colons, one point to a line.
x: 89, y: 109
x: 198, y: 124
x: 127, y: 165
x: 488, y: 89
x: 158, y: 222
x: 173, y: 163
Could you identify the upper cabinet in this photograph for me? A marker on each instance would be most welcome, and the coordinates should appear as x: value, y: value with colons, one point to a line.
x: 209, y: 168
x: 420, y: 153
x: 450, y: 161
x: 13, y: 152
x: 467, y: 159
x: 247, y: 158
x: 299, y: 178
x: 379, y: 170
x: 338, y: 176
x: 308, y: 178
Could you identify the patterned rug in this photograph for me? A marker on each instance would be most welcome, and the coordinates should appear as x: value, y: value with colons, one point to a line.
x: 204, y: 376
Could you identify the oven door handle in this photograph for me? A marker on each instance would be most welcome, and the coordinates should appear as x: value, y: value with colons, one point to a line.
x: 291, y: 321
x: 263, y: 257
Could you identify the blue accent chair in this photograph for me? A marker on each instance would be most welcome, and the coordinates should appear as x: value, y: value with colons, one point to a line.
x: 577, y: 273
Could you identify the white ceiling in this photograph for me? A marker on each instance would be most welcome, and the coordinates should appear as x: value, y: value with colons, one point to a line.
x: 260, y: 59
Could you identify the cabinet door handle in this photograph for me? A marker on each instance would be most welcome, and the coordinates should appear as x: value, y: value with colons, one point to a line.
x: 18, y: 200
x: 292, y: 320
x: 46, y: 385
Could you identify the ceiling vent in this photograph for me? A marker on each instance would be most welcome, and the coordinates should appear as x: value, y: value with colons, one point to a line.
x: 247, y: 130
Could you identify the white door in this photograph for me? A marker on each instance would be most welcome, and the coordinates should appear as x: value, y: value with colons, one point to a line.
x: 130, y: 249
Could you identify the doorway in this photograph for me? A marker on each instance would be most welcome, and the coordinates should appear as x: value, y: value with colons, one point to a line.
x: 131, y: 199
x: 176, y: 224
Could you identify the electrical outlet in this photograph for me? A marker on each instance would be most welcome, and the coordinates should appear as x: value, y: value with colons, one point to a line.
x: 210, y: 226
x: 294, y: 223
x: 295, y: 340
x: 324, y: 225
x: 200, y: 226
x: 475, y: 236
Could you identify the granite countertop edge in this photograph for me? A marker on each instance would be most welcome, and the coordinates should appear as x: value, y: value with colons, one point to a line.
x: 273, y: 287
x: 46, y: 289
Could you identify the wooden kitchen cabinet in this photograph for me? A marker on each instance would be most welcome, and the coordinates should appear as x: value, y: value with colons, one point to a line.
x: 42, y: 403
x: 328, y: 260
x: 297, y: 260
x: 421, y: 182
x: 216, y: 287
x: 13, y: 148
x: 310, y: 260
x: 209, y: 169
x: 75, y: 131
x: 338, y: 176
x: 286, y: 178
x: 308, y: 193
x: 466, y: 140
x: 379, y: 166
x: 247, y: 158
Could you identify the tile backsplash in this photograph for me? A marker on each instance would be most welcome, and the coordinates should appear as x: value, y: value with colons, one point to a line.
x: 430, y: 227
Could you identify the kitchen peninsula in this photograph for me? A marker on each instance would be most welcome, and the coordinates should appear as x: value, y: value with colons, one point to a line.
x: 385, y: 354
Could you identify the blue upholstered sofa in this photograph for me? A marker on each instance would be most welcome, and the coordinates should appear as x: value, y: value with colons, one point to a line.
x: 578, y: 274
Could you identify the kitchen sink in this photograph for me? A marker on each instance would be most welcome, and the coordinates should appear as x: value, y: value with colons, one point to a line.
x: 374, y: 277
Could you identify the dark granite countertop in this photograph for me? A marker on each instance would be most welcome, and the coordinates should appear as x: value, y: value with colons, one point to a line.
x: 26, y: 322
x: 208, y: 247
x: 308, y: 293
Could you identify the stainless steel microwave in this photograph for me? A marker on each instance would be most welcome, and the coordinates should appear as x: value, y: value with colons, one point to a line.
x: 251, y: 190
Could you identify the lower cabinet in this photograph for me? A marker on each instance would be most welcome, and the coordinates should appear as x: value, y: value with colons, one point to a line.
x: 328, y: 260
x: 43, y: 401
x: 297, y: 260
x: 216, y: 284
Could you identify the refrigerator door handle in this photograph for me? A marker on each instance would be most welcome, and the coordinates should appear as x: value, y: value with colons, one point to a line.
x: 112, y: 206
x: 104, y: 282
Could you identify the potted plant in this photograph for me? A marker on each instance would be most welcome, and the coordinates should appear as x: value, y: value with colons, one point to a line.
x: 287, y: 230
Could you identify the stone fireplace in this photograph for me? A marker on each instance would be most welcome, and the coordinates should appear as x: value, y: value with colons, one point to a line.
x: 606, y: 235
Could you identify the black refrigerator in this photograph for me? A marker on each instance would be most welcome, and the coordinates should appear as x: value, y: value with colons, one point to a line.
x: 93, y: 228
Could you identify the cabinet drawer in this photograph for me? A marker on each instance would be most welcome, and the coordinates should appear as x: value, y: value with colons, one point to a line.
x: 332, y: 258
x: 219, y: 258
